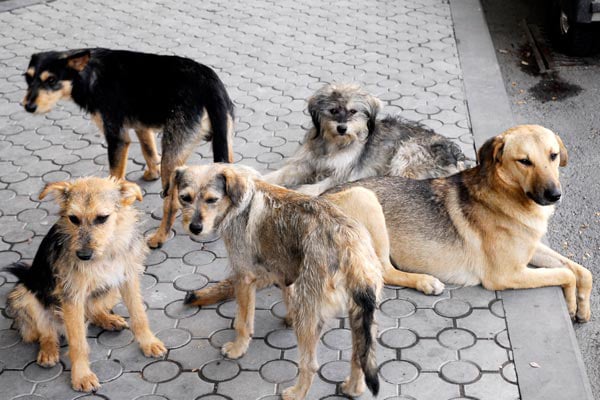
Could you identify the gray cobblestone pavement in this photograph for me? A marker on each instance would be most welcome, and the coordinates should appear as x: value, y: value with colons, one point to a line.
x: 271, y: 55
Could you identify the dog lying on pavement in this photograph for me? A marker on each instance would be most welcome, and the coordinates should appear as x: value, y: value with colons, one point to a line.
x: 276, y: 235
x: 348, y: 142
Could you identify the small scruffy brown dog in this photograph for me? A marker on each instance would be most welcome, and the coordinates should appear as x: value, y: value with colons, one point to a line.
x: 93, y: 254
x: 278, y: 235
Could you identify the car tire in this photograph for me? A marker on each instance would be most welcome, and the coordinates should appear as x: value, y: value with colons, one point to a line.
x: 572, y: 38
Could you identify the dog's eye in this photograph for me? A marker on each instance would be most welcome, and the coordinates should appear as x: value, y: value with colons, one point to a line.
x: 333, y: 111
x: 553, y: 156
x: 185, y: 198
x: 526, y: 162
x: 74, y: 220
x: 211, y: 200
x: 51, y: 80
x: 100, y: 219
x: 352, y: 112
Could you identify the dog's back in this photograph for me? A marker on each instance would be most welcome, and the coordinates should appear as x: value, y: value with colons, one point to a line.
x: 411, y: 150
x: 148, y: 88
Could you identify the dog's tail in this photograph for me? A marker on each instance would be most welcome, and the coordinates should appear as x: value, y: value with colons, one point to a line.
x: 364, y: 332
x: 19, y: 269
x: 220, y: 113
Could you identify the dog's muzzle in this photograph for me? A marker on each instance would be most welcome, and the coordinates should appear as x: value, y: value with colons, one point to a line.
x: 196, y: 228
x: 30, y: 107
x: 84, y: 254
x: 342, y: 129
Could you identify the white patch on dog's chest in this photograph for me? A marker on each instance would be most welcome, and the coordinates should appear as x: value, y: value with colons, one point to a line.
x: 341, y: 162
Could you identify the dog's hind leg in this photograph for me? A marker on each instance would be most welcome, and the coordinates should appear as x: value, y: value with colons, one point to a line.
x: 308, y: 327
x: 35, y: 323
x: 98, y: 312
x: 118, y: 142
x: 245, y: 294
x: 220, y: 291
x: 221, y: 128
x: 362, y: 205
x: 545, y: 257
x: 150, y: 153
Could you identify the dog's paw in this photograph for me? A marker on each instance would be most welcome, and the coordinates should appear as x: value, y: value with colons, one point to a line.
x: 48, y: 358
x: 85, y: 382
x: 583, y: 313
x: 150, y: 175
x: 353, y: 389
x: 234, y: 350
x: 153, y: 348
x: 290, y: 394
x: 155, y: 241
x: 111, y: 322
x: 430, y: 285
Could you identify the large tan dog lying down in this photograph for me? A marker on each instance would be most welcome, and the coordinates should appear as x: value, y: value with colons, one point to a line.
x: 480, y: 226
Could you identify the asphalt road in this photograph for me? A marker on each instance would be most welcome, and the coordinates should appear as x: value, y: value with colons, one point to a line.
x: 567, y: 102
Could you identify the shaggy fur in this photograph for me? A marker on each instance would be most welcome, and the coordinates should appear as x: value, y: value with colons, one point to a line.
x: 90, y: 256
x: 348, y: 142
x: 275, y: 235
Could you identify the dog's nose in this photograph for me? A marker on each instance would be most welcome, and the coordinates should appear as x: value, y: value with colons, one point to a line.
x: 552, y: 195
x: 196, y: 227
x: 342, y: 128
x: 84, y: 254
x: 30, y: 107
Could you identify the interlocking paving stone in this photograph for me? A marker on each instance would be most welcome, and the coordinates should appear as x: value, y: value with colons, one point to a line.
x: 271, y: 55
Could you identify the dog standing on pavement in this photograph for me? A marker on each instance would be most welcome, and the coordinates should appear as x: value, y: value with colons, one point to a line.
x: 90, y: 256
x: 485, y: 224
x: 125, y: 90
x: 347, y: 142
x: 275, y: 235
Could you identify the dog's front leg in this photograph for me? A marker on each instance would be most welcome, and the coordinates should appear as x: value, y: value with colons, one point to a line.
x: 245, y: 294
x: 82, y: 377
x: 529, y: 278
x: 130, y: 291
x: 545, y: 257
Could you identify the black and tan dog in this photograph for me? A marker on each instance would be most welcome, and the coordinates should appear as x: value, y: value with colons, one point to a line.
x: 480, y: 226
x: 125, y: 90
x: 93, y: 254
x: 275, y: 235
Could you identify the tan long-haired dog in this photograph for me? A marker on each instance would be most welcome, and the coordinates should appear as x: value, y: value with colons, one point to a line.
x: 93, y: 254
x: 275, y: 235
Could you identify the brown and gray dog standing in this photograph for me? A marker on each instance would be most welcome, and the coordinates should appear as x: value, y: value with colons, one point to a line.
x: 348, y: 142
x: 91, y: 257
x: 275, y: 235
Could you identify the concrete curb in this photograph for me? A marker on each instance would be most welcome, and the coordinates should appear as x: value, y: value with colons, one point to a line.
x: 539, y: 327
x: 9, y: 5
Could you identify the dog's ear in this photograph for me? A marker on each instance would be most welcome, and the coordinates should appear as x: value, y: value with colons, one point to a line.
x: 78, y: 60
x: 373, y: 108
x: 59, y: 190
x: 235, y: 185
x: 313, y: 110
x: 175, y: 182
x: 130, y: 192
x: 564, y: 156
x: 491, y: 151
